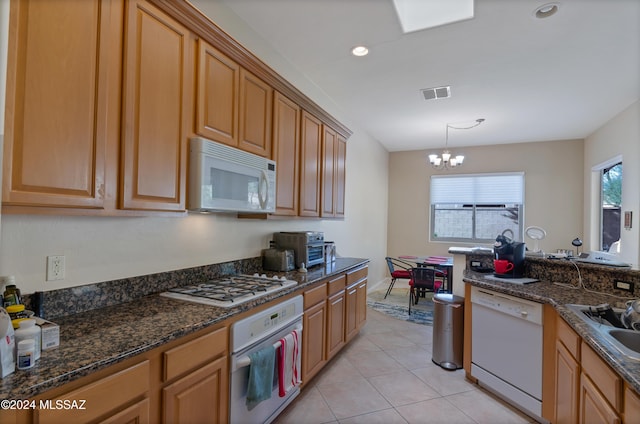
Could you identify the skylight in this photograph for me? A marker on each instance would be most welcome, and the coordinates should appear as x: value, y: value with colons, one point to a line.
x: 416, y: 15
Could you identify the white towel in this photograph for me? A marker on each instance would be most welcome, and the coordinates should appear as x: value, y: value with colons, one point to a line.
x: 289, y: 363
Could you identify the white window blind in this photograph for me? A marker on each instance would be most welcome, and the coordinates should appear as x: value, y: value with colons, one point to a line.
x: 478, y: 189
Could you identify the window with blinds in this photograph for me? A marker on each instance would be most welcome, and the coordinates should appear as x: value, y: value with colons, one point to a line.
x: 476, y: 208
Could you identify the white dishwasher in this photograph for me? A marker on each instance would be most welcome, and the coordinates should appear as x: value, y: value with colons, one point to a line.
x: 506, y: 347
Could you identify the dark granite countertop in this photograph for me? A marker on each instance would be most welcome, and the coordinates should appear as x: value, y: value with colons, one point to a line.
x: 98, y: 338
x: 560, y: 296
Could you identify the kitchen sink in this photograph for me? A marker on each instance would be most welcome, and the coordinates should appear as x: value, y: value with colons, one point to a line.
x: 629, y: 338
x: 606, y: 321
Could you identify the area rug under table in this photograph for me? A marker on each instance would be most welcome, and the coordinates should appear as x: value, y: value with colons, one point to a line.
x: 396, y: 305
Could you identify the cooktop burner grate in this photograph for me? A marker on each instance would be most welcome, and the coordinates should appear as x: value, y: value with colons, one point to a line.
x: 231, y: 290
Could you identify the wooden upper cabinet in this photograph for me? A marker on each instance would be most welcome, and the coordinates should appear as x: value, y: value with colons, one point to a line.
x: 62, y: 102
x: 218, y: 93
x: 157, y: 99
x: 341, y: 176
x: 234, y: 107
x: 310, y: 156
x: 286, y: 153
x: 334, y: 150
x: 328, y: 171
x: 256, y: 99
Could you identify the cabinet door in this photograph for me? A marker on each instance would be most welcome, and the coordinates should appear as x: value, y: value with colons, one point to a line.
x: 310, y: 144
x: 335, y: 323
x: 286, y: 153
x: 104, y: 397
x: 328, y: 172
x: 200, y: 397
x: 341, y: 176
x: 157, y: 103
x: 567, y: 386
x: 593, y: 406
x: 361, y: 304
x: 314, y: 341
x: 62, y: 102
x: 631, y: 405
x: 218, y: 93
x: 138, y: 413
x: 255, y: 114
x: 351, y: 312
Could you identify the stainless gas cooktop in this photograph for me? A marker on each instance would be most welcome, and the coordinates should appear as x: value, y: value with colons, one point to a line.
x: 230, y: 291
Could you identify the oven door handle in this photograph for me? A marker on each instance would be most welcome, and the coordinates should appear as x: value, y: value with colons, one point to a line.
x: 245, y: 361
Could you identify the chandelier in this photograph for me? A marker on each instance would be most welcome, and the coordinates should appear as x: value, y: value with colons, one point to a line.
x: 448, y: 160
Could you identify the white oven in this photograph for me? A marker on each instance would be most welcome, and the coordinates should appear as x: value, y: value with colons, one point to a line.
x: 250, y: 335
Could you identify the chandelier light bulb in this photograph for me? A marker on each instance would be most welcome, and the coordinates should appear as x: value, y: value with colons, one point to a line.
x: 449, y: 160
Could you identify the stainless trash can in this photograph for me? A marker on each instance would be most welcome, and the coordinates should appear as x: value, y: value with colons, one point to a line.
x: 448, y: 330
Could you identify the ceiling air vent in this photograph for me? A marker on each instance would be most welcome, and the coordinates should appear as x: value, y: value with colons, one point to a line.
x: 436, y: 93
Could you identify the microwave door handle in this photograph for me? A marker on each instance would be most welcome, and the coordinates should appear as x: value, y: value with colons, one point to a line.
x: 263, y: 190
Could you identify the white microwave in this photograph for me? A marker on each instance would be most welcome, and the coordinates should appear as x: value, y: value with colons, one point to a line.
x: 226, y: 179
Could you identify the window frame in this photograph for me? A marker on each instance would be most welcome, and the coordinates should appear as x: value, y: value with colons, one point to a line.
x: 475, y: 206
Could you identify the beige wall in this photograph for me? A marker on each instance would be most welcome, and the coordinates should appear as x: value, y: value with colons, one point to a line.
x: 618, y: 137
x: 553, y: 192
x: 102, y: 249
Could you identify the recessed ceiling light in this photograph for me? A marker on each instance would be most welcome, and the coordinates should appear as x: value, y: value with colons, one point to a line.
x: 360, y: 51
x: 546, y: 10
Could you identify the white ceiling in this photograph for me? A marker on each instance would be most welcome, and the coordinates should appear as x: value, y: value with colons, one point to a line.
x: 531, y: 79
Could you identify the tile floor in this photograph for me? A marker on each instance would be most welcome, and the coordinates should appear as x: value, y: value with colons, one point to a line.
x: 385, y: 375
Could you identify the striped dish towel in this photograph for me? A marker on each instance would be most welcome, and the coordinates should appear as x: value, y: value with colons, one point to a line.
x: 289, y: 365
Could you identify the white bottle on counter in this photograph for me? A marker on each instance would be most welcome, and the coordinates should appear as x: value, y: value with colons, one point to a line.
x: 26, y: 354
x: 29, y: 330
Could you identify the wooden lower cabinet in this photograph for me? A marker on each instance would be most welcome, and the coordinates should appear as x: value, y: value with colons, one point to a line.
x: 600, y: 389
x: 199, y: 397
x: 586, y: 389
x: 314, y: 340
x: 631, y: 406
x: 333, y: 315
x: 593, y: 405
x: 185, y: 381
x: 336, y: 315
x: 567, y: 383
x: 105, y: 398
x: 138, y: 413
x: 356, y: 302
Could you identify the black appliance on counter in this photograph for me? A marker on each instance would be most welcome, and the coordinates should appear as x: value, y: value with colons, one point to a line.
x: 512, y: 251
x: 307, y: 246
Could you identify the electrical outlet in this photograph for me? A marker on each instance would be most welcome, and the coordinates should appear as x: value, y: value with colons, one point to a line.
x: 623, y: 285
x: 55, y: 268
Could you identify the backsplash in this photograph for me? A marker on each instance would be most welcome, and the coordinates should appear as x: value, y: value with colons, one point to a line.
x: 594, y: 277
x: 73, y: 300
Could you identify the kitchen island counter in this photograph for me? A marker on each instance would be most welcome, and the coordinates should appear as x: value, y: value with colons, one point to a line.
x: 98, y: 338
x: 560, y: 295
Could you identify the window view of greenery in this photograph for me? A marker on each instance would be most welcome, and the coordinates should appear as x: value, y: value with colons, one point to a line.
x: 611, y: 183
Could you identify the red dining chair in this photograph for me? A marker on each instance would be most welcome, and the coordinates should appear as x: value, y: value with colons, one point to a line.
x: 422, y: 280
x: 398, y: 270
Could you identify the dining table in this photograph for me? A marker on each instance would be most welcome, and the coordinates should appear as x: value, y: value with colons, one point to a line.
x: 441, y: 263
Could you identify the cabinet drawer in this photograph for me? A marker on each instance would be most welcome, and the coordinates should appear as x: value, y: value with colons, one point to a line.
x: 606, y: 380
x: 568, y: 337
x: 337, y: 284
x: 315, y: 295
x: 357, y: 275
x: 194, y: 353
x: 101, y: 396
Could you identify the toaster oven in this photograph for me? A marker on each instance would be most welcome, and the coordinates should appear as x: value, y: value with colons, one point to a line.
x: 307, y: 246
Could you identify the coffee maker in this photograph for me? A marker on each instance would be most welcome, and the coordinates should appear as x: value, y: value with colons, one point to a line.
x: 512, y: 251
